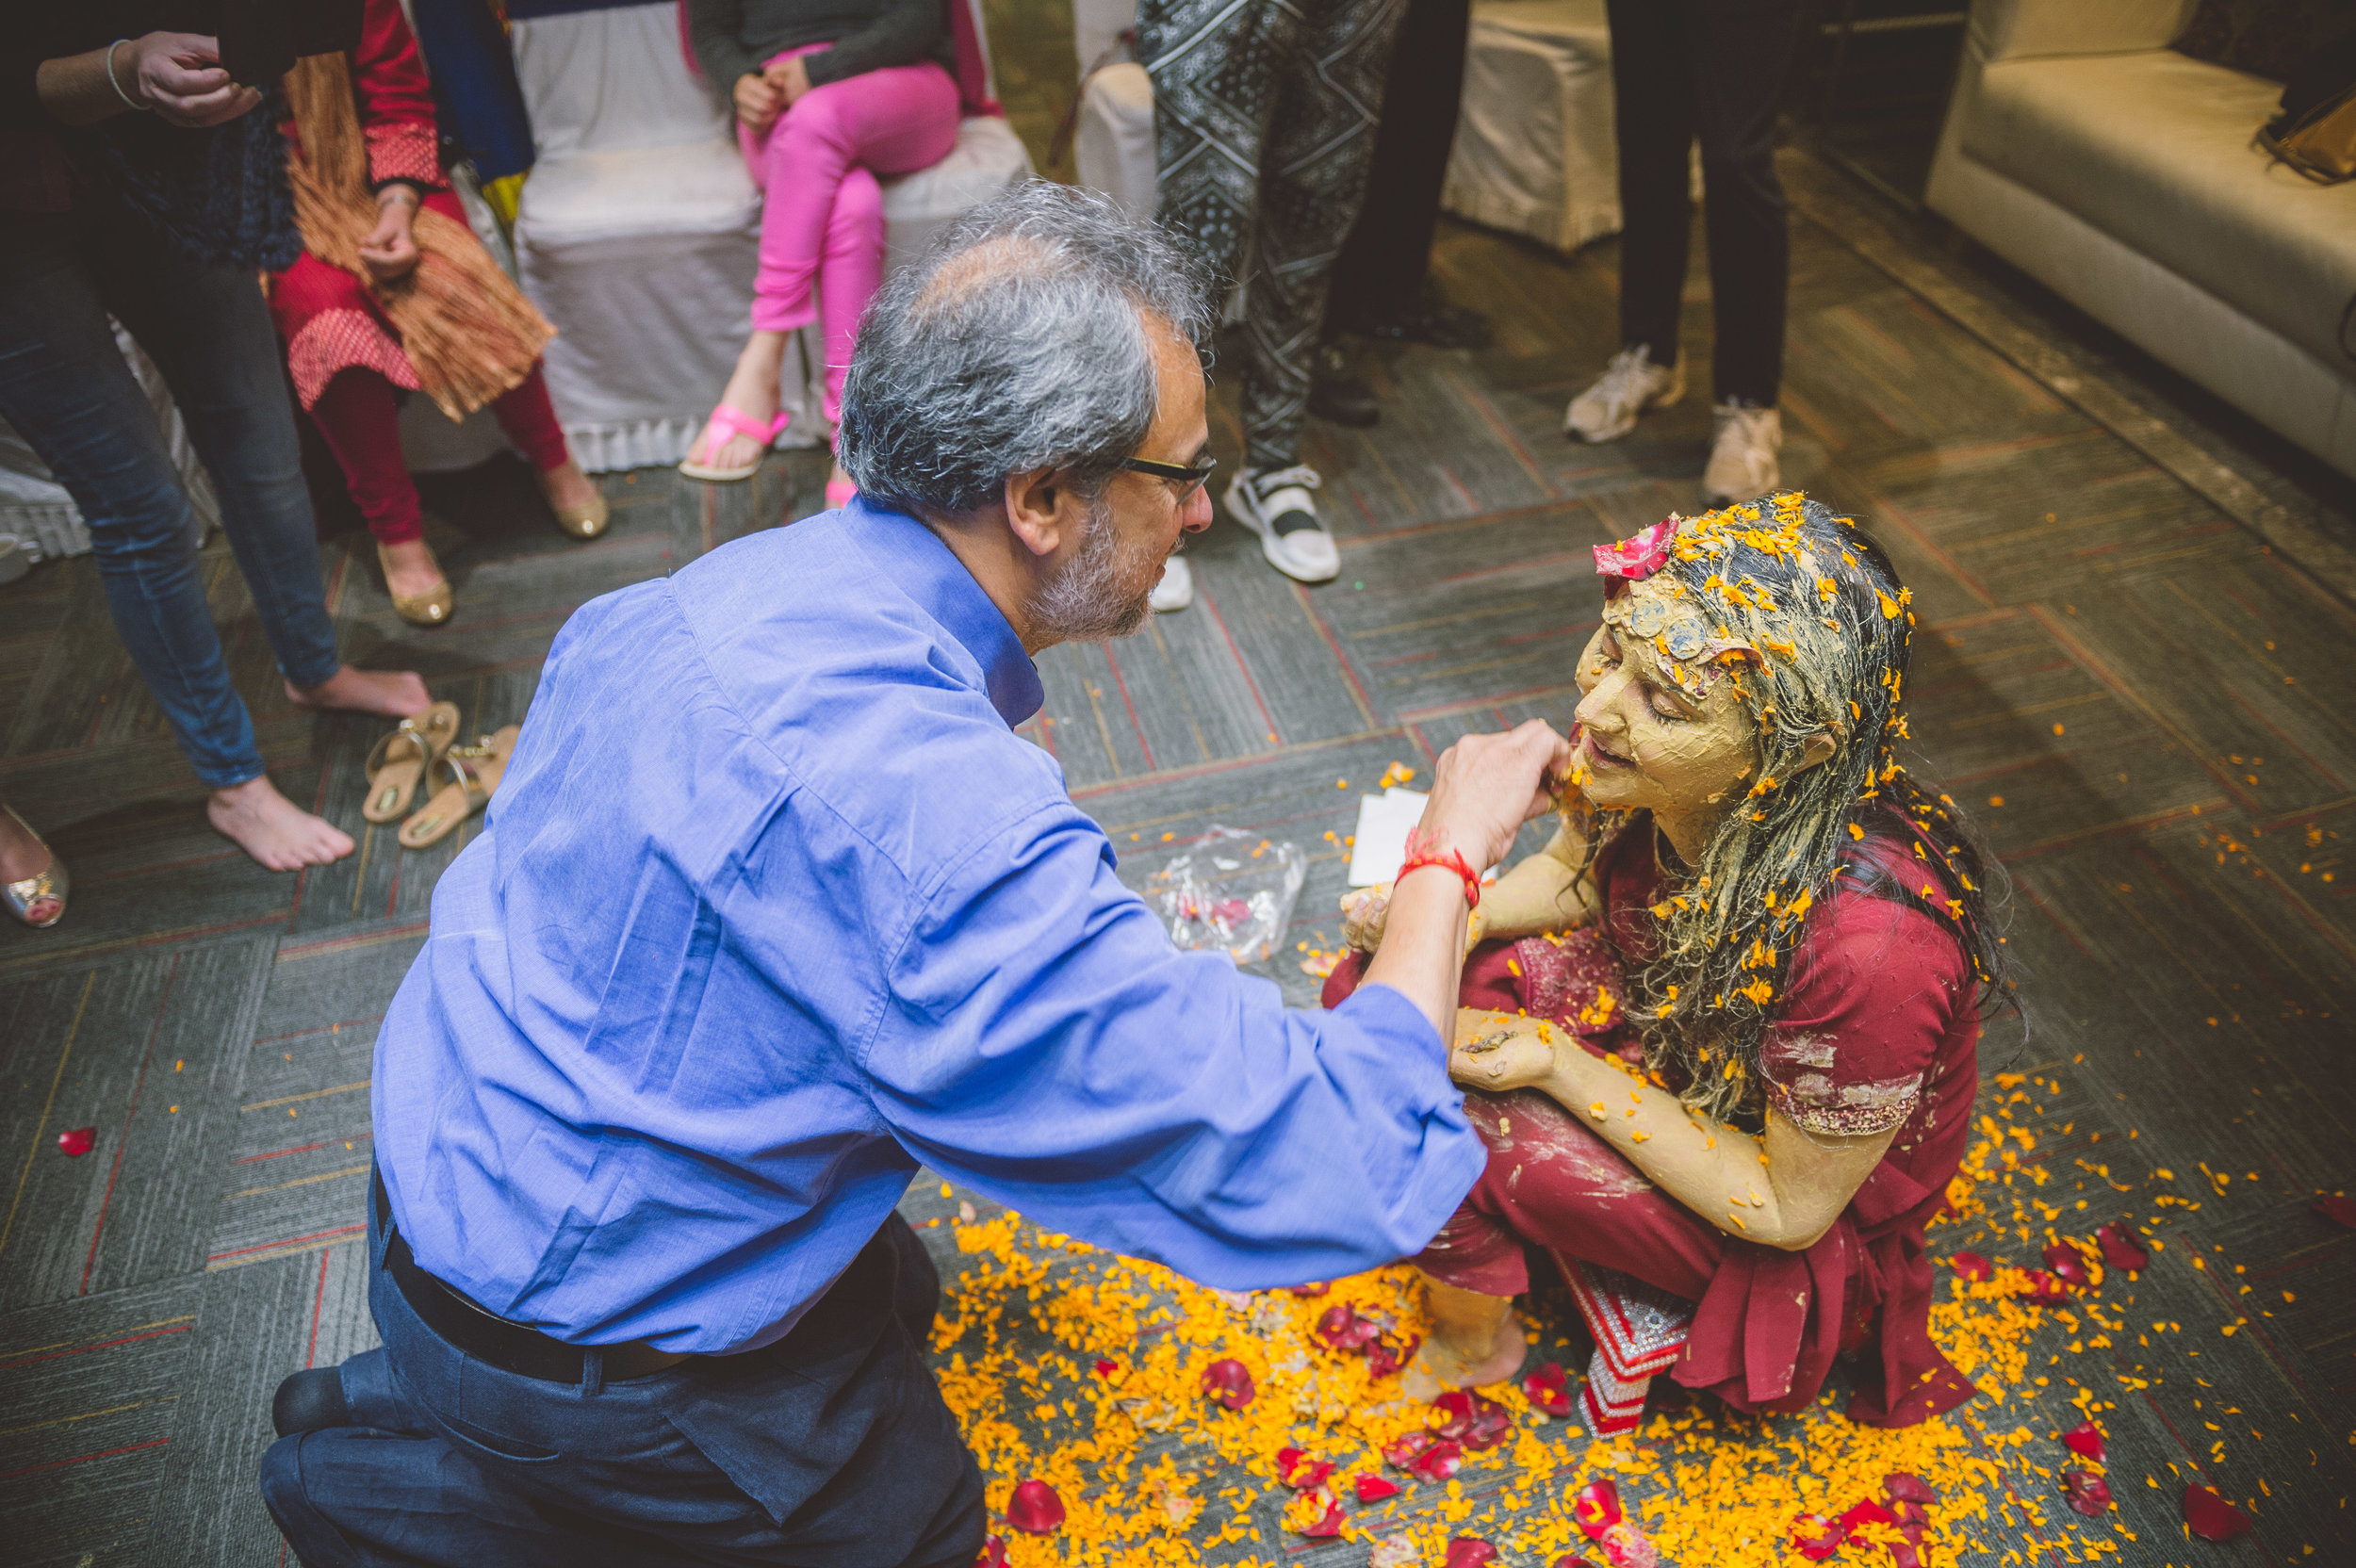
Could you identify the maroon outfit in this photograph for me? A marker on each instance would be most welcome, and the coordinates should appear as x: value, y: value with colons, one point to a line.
x: 1877, y: 1028
x: 344, y: 355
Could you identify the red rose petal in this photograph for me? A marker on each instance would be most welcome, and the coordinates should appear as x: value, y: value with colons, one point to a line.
x: 1596, y: 1506
x: 1904, y: 1488
x: 1815, y: 1537
x: 1313, y: 1287
x: 1908, y: 1552
x: 1973, y: 1266
x: 2085, y: 1441
x: 1035, y: 1508
x: 993, y: 1553
x: 1341, y: 1328
x: 2122, y: 1249
x: 1547, y: 1390
x: 1400, y: 1452
x: 1473, y: 1419
x: 2088, y: 1493
x: 2337, y: 1209
x: 1330, y: 1522
x: 1373, y: 1489
x: 1384, y: 1357
x: 1106, y: 1368
x: 2037, y: 1285
x: 1467, y: 1551
x: 1867, y: 1512
x: 1572, y: 1559
x: 77, y: 1142
x: 1437, y: 1463
x: 2068, y: 1264
x: 2212, y: 1517
x: 1229, y: 1382
x: 1307, y: 1474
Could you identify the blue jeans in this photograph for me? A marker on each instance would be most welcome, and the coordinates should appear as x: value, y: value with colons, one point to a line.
x: 66, y: 390
x: 830, y: 1446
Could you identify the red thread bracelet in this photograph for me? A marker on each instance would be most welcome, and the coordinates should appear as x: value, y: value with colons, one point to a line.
x: 1453, y: 860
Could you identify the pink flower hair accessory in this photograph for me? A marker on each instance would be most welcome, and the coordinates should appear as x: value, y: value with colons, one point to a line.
x: 1639, y: 556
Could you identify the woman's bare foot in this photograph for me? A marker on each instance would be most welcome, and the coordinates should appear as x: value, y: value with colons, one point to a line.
x: 1476, y: 1340
x: 751, y: 391
x: 271, y: 829
x: 409, y: 569
x: 568, y: 488
x: 388, y: 694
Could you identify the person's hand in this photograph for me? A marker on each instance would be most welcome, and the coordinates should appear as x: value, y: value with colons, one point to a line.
x: 1364, y: 910
x: 1498, y: 1052
x: 179, y: 76
x: 790, y: 78
x: 390, y: 250
x: 758, y: 105
x: 1484, y: 787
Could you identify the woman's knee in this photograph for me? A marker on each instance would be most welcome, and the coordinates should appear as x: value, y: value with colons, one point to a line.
x: 858, y: 212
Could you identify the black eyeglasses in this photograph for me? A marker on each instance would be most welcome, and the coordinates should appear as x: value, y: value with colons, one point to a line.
x: 1187, y: 479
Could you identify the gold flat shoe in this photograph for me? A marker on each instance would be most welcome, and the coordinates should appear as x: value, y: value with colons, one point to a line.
x: 404, y: 757
x: 582, y: 522
x: 431, y: 608
x: 41, y: 889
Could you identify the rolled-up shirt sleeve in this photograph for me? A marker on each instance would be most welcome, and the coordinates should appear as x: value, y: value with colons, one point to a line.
x: 1042, y: 1041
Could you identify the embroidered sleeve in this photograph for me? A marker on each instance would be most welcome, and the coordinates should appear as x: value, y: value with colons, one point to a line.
x: 1801, y: 1087
x: 403, y: 150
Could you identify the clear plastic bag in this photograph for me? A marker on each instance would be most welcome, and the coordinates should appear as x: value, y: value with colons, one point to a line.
x: 1233, y: 890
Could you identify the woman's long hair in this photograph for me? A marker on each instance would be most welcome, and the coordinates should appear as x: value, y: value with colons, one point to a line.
x: 1822, y: 606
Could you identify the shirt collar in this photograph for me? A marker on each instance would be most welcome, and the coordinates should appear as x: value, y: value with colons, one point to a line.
x: 913, y: 556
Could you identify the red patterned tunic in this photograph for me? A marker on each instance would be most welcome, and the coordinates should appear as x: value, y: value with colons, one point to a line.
x: 1876, y: 1028
x: 324, y: 315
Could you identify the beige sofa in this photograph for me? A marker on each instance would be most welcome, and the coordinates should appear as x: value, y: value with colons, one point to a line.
x: 2124, y: 176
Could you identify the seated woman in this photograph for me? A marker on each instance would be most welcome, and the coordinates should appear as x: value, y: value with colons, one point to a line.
x: 828, y: 93
x: 1724, y: 1026
x: 356, y: 327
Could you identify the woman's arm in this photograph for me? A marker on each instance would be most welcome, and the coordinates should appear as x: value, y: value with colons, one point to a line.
x: 1540, y: 893
x: 903, y: 32
x: 1782, y: 1190
x: 178, y: 76
x: 715, y: 28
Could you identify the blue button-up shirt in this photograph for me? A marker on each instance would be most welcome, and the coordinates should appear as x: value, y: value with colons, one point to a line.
x: 773, y: 905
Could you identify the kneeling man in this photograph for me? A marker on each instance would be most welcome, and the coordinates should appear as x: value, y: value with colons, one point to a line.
x: 772, y: 906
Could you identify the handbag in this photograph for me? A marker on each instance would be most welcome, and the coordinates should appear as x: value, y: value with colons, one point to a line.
x: 2316, y: 133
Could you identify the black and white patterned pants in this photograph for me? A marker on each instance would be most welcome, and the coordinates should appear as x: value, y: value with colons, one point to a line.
x: 1266, y: 113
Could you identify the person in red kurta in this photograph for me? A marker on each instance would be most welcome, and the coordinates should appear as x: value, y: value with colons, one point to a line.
x: 346, y: 356
x: 1854, y: 1063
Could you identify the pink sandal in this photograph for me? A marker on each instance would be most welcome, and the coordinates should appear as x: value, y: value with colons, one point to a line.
x: 737, y: 422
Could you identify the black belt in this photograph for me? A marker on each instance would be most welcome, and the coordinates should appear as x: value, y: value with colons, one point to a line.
x: 509, y: 1347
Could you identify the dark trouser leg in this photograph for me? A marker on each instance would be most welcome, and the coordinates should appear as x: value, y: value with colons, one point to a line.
x: 1312, y: 179
x: 1213, y: 75
x: 209, y: 332
x: 1652, y: 87
x: 837, y: 1429
x: 1381, y: 272
x: 1740, y: 49
x: 64, y: 386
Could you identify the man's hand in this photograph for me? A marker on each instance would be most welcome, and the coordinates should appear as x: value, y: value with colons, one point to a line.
x: 757, y: 104
x: 1486, y: 786
x: 179, y: 76
x: 790, y: 78
x: 390, y: 250
x: 1496, y: 1052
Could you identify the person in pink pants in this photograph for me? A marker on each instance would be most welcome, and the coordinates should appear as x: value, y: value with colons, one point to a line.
x: 818, y: 121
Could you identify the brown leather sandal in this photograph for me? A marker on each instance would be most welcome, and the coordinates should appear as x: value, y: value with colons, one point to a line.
x: 469, y: 776
x: 401, y: 758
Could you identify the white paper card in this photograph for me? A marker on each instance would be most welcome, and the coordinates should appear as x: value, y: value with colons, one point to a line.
x: 1381, y: 843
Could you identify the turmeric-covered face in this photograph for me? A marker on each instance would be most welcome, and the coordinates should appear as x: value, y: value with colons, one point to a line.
x: 1651, y: 741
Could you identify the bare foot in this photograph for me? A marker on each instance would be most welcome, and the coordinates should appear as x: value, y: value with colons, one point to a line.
x: 568, y: 488
x: 751, y: 391
x: 389, y: 694
x: 271, y: 829
x: 1476, y: 1340
x: 409, y: 569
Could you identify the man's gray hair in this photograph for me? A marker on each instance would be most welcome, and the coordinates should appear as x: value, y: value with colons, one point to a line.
x: 1014, y: 343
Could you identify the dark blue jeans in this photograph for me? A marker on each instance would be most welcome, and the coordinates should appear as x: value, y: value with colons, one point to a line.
x: 67, y: 391
x: 831, y: 1447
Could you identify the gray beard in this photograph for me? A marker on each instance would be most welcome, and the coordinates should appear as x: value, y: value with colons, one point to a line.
x: 1081, y: 602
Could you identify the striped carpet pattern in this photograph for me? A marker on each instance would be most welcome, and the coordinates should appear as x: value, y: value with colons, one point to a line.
x: 2149, y: 707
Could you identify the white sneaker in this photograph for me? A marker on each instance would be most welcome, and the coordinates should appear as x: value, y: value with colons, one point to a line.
x: 1176, y: 591
x: 1743, y: 459
x: 1277, y: 506
x: 1628, y: 385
